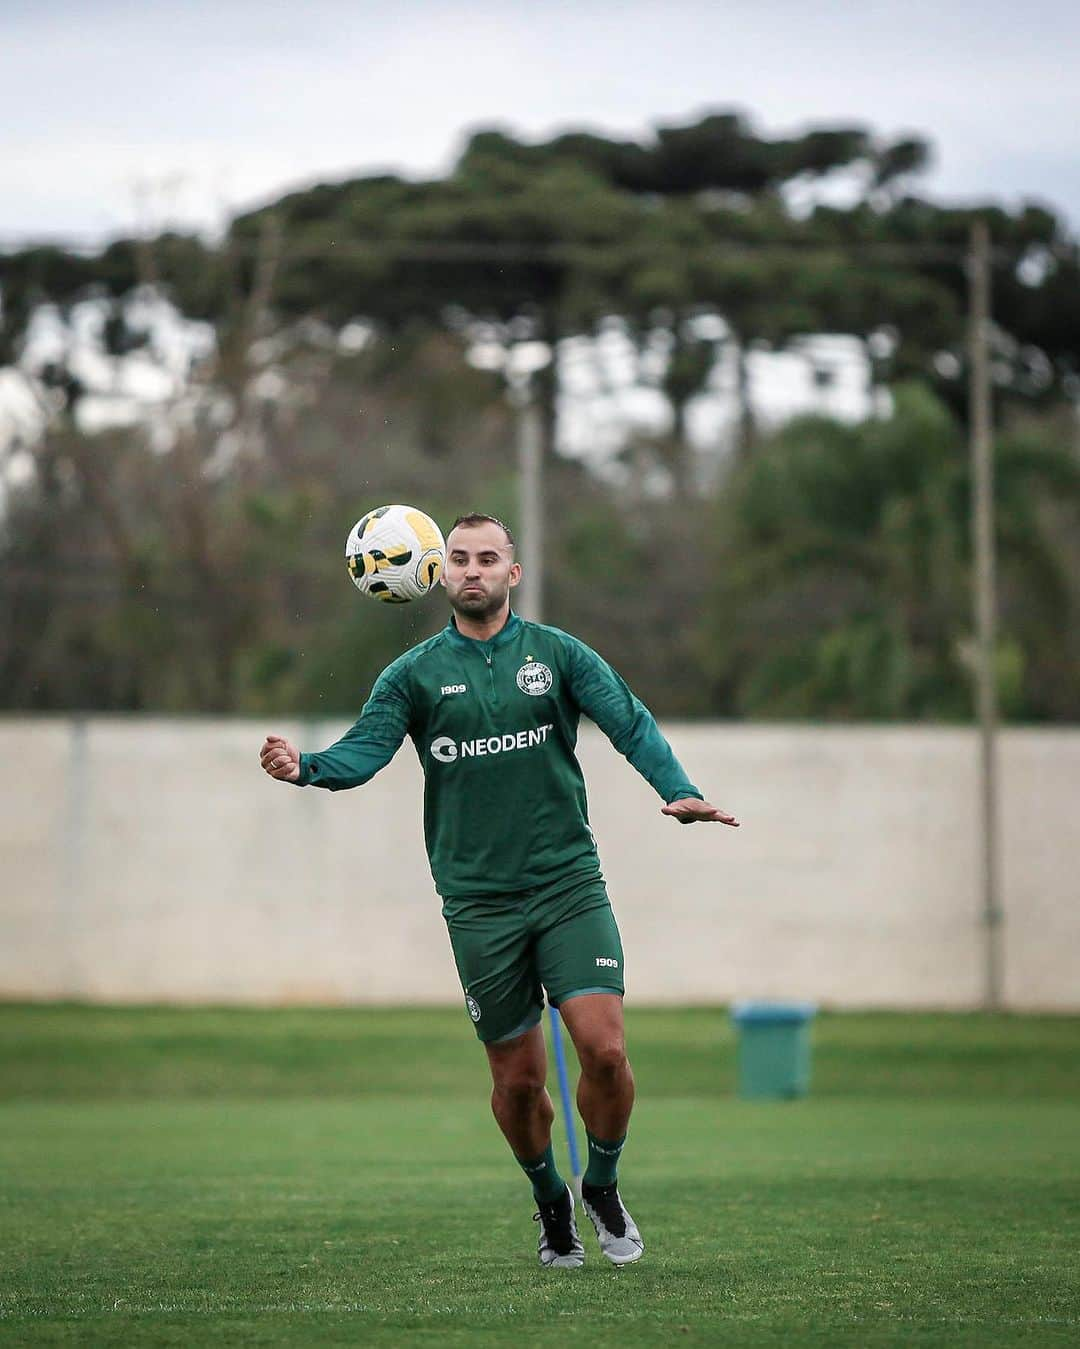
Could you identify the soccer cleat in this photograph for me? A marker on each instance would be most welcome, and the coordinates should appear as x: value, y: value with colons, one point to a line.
x: 617, y: 1232
x: 560, y: 1246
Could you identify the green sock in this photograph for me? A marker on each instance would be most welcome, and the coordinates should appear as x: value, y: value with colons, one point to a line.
x: 546, y: 1182
x: 603, y: 1160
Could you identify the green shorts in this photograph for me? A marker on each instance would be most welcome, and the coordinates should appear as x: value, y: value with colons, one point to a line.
x: 509, y: 949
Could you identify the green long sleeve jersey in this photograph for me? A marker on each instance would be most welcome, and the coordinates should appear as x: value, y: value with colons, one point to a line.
x: 495, y: 726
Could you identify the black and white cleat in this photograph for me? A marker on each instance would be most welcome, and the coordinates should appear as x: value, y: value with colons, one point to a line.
x: 616, y: 1231
x: 560, y: 1246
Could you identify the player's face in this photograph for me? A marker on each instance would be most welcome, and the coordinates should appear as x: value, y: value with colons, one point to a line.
x: 480, y: 570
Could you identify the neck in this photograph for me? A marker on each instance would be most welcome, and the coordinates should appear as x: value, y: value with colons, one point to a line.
x: 480, y: 629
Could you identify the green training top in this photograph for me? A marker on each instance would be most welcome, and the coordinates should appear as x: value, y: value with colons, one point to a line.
x: 495, y: 724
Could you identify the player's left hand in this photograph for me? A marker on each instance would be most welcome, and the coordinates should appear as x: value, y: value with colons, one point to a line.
x: 690, y: 811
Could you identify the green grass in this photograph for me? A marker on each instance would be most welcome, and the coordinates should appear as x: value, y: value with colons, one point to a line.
x: 334, y: 1177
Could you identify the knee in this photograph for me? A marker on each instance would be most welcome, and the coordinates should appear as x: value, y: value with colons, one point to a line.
x: 519, y: 1088
x: 604, y: 1059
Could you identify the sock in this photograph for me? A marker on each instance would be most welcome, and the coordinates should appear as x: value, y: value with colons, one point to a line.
x: 546, y: 1182
x: 603, y: 1160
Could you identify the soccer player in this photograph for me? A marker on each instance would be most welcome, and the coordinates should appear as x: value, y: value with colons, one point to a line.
x: 492, y: 705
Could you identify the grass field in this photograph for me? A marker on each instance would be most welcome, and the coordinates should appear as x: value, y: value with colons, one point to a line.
x: 334, y: 1177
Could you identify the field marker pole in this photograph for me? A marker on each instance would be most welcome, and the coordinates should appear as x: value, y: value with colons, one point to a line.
x: 983, y: 541
x: 564, y: 1092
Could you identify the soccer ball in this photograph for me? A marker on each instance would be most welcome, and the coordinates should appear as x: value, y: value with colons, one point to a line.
x: 395, y: 553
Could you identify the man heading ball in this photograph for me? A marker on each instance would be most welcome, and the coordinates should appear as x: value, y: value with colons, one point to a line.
x: 492, y: 705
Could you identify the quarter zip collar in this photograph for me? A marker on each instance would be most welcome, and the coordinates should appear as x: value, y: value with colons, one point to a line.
x: 506, y: 633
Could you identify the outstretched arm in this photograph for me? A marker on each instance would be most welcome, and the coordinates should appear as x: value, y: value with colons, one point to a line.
x: 369, y: 744
x: 606, y: 699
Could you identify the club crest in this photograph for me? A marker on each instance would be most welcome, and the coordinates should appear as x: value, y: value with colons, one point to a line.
x: 534, y: 679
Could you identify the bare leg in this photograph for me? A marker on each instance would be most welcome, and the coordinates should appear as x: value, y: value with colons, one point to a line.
x: 523, y: 1108
x: 605, y: 1093
x: 519, y: 1098
x: 605, y: 1099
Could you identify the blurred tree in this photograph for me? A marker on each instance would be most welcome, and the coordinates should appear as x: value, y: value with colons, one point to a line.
x: 842, y: 561
x: 549, y: 239
x: 212, y: 565
x: 172, y: 581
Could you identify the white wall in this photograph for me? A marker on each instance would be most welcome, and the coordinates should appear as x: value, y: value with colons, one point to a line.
x: 148, y: 859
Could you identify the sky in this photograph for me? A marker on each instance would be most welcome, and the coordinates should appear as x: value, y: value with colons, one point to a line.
x: 116, y: 114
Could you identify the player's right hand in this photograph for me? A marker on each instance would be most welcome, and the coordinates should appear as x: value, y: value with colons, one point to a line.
x: 280, y: 759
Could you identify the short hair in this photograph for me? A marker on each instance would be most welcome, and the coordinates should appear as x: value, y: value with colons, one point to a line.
x: 479, y: 518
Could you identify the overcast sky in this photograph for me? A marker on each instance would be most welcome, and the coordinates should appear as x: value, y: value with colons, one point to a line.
x: 213, y: 106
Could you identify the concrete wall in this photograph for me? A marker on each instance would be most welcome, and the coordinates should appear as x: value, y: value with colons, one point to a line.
x: 152, y: 860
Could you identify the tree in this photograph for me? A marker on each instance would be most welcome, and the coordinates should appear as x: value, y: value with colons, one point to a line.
x: 131, y: 580
x: 553, y: 238
x: 842, y: 573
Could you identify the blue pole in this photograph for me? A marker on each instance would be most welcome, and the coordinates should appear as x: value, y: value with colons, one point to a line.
x: 564, y: 1092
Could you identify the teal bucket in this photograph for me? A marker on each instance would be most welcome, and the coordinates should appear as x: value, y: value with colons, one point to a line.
x: 774, y: 1049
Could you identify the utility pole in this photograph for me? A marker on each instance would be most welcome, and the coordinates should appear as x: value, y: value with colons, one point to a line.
x: 985, y: 597
x: 530, y: 594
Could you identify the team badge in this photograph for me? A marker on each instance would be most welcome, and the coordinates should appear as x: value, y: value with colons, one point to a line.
x: 474, y: 1008
x: 534, y: 679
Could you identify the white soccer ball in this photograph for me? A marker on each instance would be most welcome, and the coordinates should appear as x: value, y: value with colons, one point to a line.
x: 395, y: 553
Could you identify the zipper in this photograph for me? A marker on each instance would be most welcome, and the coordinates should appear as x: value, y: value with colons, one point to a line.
x: 491, y: 673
